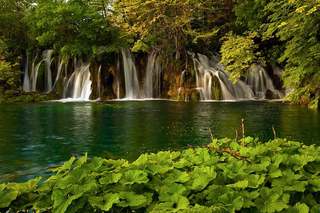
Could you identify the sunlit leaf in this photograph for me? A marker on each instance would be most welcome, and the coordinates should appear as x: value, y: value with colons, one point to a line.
x: 134, y: 176
x: 131, y: 199
x: 104, y: 202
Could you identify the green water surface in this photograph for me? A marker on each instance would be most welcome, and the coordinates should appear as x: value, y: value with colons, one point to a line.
x: 36, y: 137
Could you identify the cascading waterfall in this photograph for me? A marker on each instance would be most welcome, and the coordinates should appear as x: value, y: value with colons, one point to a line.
x: 48, y: 76
x: 78, y: 86
x: 153, y: 76
x: 26, y: 80
x: 254, y: 86
x: 99, y: 82
x: 205, y: 71
x: 132, y: 89
x: 260, y: 82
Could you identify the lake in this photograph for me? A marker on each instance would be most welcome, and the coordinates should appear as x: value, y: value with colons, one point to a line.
x: 35, y: 137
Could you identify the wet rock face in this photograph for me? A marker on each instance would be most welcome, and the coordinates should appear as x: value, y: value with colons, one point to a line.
x: 271, y: 95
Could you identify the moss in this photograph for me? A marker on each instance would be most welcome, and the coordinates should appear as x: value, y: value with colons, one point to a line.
x: 195, y: 95
x: 216, y: 88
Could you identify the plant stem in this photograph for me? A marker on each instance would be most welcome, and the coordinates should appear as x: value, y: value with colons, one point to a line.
x: 243, y: 134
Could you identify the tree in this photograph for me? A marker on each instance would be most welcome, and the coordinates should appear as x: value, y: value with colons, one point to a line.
x: 239, y: 53
x: 70, y: 27
x: 172, y: 27
x: 10, y: 84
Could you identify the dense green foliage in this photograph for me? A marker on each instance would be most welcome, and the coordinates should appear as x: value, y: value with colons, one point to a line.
x: 270, y: 177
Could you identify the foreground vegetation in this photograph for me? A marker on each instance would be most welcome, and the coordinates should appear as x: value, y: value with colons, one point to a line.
x: 225, y: 176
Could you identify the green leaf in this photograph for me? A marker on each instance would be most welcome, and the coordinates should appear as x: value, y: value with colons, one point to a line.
x: 110, y: 178
x: 81, y: 160
x: 240, y: 184
x: 159, y: 169
x: 178, y: 176
x: 62, y: 200
x: 298, y: 208
x: 7, y: 197
x: 254, y: 181
x: 131, y: 199
x: 105, y: 202
x: 176, y: 188
x: 134, y: 176
x: 270, y: 200
x: 232, y: 200
x: 180, y: 201
x: 66, y: 165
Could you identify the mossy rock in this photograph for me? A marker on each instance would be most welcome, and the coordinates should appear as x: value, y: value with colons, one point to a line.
x: 53, y: 96
x: 271, y: 95
x: 59, y: 86
x: 195, y: 95
x: 216, y: 88
x: 107, y: 94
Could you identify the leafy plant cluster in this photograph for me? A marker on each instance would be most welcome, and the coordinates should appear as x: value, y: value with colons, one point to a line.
x: 277, y: 176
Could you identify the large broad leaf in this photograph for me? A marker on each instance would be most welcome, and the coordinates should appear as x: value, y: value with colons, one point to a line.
x: 163, y: 158
x: 298, y: 208
x: 141, y: 161
x: 300, y: 161
x: 2, y: 187
x: 271, y: 200
x: 176, y: 188
x: 232, y: 200
x: 178, y: 176
x: 134, y: 176
x: 248, y: 198
x: 254, y: 181
x: 239, y: 185
x: 315, y: 184
x: 232, y: 170
x: 110, y: 178
x: 66, y: 166
x: 77, y: 182
x: 61, y: 201
x: 159, y: 169
x: 7, y: 197
x: 81, y: 160
x: 290, y: 182
x: 23, y: 187
x: 131, y: 199
x: 175, y: 204
x: 274, y: 171
x: 104, y: 202
x: 180, y: 202
x: 214, y: 192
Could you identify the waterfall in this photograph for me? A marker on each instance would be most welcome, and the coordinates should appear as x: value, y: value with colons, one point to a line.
x: 78, y: 86
x: 205, y: 71
x: 132, y: 90
x: 99, y: 82
x: 153, y: 77
x: 259, y: 81
x: 46, y: 57
x: 26, y: 80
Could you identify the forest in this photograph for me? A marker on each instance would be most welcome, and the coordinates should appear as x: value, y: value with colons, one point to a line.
x: 283, y: 33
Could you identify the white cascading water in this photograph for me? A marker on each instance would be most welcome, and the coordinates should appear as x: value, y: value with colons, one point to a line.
x: 132, y: 89
x: 152, y: 79
x: 254, y: 86
x: 48, y: 76
x: 78, y: 86
x: 206, y: 69
x: 260, y: 82
x: 26, y: 80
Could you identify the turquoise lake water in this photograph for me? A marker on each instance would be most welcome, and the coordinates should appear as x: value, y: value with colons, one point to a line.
x: 35, y: 137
